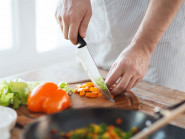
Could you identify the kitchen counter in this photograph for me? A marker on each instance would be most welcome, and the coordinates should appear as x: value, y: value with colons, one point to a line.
x: 148, y: 94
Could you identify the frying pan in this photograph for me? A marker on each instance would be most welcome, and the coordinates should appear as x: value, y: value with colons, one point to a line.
x: 72, y: 119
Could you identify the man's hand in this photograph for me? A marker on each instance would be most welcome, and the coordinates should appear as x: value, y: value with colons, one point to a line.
x: 132, y: 64
x: 130, y: 67
x: 73, y: 17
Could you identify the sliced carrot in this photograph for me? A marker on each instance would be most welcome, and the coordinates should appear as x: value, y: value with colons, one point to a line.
x: 82, y: 93
x: 87, y: 88
x: 100, y: 95
x: 90, y: 84
x: 94, y: 89
x: 91, y: 94
x: 76, y: 90
x: 83, y: 85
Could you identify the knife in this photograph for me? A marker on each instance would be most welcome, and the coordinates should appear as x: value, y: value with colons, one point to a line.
x: 91, y: 68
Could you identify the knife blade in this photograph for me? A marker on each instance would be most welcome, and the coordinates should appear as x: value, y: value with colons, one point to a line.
x: 91, y: 68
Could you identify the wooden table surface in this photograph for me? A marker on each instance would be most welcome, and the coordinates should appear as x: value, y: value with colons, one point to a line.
x: 148, y: 94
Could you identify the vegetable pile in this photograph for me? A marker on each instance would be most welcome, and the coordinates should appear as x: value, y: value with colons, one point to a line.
x: 48, y: 98
x: 88, y: 90
x: 98, y: 131
x: 40, y: 97
x: 15, y: 92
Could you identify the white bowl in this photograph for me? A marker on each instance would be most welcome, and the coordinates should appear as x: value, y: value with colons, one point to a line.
x: 8, y: 117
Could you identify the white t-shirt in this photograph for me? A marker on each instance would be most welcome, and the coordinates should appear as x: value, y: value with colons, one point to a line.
x: 114, y: 24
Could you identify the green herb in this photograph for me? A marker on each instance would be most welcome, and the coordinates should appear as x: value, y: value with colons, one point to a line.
x: 91, y: 129
x: 103, y: 128
x: 128, y: 135
x: 65, y: 87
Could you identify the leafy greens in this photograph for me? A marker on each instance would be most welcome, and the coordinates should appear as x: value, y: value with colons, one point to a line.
x: 15, y: 92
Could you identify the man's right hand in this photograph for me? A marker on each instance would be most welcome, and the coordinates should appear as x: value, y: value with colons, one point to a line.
x: 73, y: 16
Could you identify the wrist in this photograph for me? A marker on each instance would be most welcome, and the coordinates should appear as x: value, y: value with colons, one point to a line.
x: 144, y: 43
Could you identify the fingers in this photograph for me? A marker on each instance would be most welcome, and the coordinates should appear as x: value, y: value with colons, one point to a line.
x: 136, y: 82
x: 65, y: 23
x: 131, y: 83
x: 122, y: 84
x: 73, y: 18
x: 71, y: 25
x: 73, y: 30
x: 114, y: 75
x: 111, y: 69
x: 59, y: 20
x: 73, y: 33
x: 84, y: 24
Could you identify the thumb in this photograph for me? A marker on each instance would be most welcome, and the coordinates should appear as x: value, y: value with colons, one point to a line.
x: 84, y: 24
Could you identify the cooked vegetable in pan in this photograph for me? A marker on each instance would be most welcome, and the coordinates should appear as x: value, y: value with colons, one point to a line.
x: 98, y: 131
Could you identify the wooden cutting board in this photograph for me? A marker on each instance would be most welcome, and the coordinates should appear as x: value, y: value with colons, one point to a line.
x: 123, y: 101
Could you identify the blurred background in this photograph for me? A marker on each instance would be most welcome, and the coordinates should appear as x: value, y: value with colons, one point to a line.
x: 30, y: 36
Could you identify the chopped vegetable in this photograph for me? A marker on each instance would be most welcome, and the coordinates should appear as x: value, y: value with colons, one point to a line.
x: 48, y: 97
x: 93, y: 94
x: 100, y: 82
x: 88, y: 90
x: 118, y: 121
x: 94, y: 89
x: 65, y: 87
x: 101, y: 131
x: 15, y: 92
x: 82, y: 92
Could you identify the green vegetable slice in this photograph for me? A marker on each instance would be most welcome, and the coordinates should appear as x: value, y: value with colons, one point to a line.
x: 100, y: 82
x: 65, y: 87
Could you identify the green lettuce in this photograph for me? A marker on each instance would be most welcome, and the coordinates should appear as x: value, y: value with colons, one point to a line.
x: 15, y: 92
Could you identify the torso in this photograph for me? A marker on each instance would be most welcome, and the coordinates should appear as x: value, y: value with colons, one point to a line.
x: 114, y: 24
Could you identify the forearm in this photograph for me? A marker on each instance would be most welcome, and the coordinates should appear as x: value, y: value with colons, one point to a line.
x: 157, y: 19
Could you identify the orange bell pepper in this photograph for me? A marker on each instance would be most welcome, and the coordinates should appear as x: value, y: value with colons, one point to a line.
x: 48, y: 98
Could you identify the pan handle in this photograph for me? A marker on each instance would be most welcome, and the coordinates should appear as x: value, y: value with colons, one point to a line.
x: 167, y: 117
x: 176, y: 105
x: 159, y: 113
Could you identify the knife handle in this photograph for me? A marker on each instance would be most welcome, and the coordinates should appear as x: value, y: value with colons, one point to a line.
x: 81, y: 42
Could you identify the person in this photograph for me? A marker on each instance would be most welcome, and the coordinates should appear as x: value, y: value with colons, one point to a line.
x: 135, y: 39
